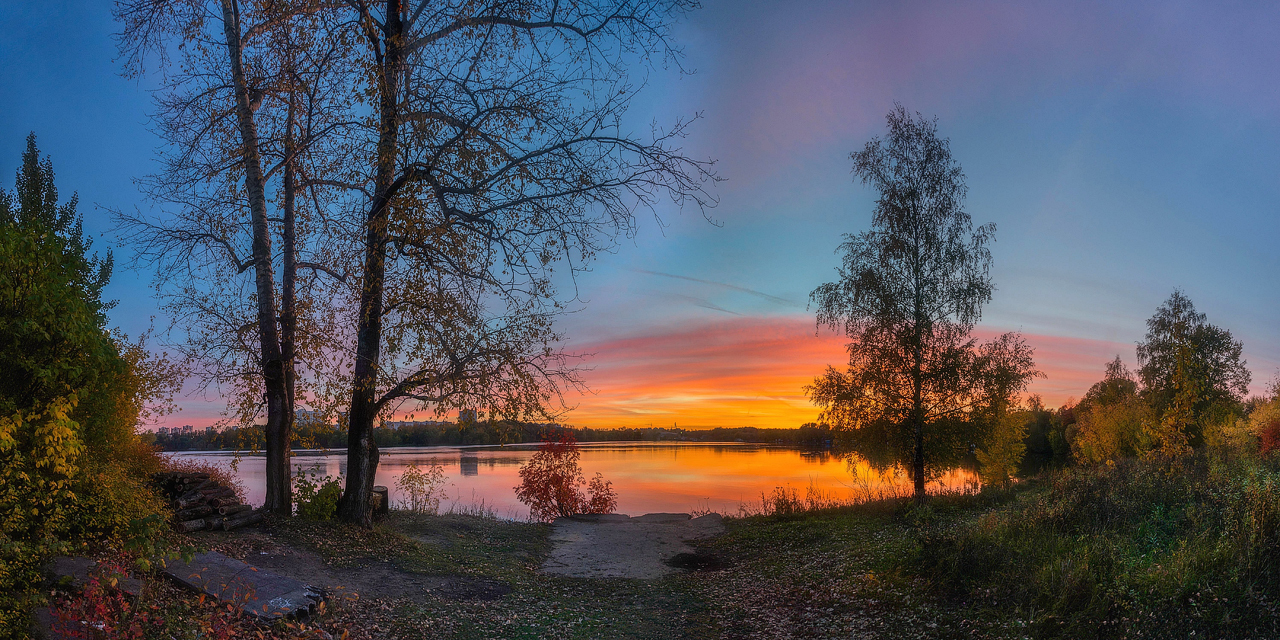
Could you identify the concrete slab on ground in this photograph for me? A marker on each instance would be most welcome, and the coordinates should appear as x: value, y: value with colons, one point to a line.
x: 618, y: 546
x: 74, y: 572
x: 256, y: 591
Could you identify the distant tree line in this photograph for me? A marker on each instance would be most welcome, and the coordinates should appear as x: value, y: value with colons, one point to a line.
x: 328, y: 436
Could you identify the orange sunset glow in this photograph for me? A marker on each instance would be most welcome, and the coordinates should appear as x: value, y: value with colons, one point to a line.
x: 752, y: 371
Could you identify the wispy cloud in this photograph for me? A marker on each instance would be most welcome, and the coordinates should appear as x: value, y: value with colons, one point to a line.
x: 724, y: 285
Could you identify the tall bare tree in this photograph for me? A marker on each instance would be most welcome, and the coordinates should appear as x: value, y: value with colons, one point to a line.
x: 497, y: 156
x: 243, y: 115
x: 910, y: 291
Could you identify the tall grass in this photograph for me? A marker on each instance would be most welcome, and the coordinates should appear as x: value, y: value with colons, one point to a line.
x: 786, y: 500
x: 1124, y: 549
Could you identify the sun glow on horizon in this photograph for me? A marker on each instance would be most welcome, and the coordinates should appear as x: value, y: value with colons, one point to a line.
x: 751, y: 372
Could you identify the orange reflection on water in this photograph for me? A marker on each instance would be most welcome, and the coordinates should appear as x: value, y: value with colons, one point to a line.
x: 648, y: 477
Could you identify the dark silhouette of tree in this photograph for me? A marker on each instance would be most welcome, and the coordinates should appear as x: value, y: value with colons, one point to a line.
x: 249, y: 114
x: 33, y: 207
x: 477, y: 148
x: 1191, y: 372
x: 495, y: 157
x: 918, y: 389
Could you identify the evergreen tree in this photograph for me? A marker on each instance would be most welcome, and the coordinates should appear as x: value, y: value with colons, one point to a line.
x: 53, y: 337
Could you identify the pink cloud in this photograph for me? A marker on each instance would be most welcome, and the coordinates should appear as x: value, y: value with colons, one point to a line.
x: 752, y: 371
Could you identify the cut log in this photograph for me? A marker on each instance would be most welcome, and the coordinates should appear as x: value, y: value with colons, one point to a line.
x: 381, y: 500
x: 230, y: 501
x: 191, y: 525
x: 188, y: 501
x: 214, y: 523
x: 233, y: 509
x: 194, y: 512
x: 244, y: 521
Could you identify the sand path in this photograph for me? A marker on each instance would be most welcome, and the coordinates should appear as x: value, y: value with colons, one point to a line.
x: 619, y: 546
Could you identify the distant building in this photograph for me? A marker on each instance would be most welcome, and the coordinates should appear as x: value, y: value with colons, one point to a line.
x: 308, y: 418
x: 409, y: 424
x: 187, y: 429
x: 163, y: 431
x: 466, y: 416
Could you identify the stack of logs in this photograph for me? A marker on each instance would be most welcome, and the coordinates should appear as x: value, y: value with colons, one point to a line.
x: 200, y: 502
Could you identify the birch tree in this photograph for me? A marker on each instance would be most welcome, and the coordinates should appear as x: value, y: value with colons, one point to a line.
x: 918, y: 388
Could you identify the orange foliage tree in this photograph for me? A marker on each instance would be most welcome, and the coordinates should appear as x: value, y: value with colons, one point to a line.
x: 550, y: 483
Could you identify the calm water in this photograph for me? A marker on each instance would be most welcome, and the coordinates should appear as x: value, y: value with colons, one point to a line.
x: 648, y: 477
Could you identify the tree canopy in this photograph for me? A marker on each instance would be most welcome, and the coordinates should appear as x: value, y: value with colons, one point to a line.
x: 1192, y: 373
x: 918, y: 386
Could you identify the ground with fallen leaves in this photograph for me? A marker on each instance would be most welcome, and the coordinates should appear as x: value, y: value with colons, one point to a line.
x: 828, y: 574
x: 818, y: 575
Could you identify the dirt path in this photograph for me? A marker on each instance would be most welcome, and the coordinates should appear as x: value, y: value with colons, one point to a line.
x: 619, y: 546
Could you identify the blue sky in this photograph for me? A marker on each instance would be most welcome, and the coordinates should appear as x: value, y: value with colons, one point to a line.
x: 1122, y: 149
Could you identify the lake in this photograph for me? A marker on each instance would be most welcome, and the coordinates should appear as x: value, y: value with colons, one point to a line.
x: 648, y: 477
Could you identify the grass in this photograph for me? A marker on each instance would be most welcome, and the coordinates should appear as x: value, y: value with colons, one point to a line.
x: 495, y: 589
x: 1134, y: 550
x: 538, y: 606
x: 1128, y: 551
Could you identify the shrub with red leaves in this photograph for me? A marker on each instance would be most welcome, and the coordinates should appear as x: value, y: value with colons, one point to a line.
x: 1269, y: 437
x: 550, y: 481
x: 101, y: 610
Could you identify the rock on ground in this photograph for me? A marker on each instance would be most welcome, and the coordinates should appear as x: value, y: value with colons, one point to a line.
x: 619, y: 546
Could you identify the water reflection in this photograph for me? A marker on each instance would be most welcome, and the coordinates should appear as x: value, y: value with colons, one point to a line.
x: 648, y: 477
x: 470, y: 465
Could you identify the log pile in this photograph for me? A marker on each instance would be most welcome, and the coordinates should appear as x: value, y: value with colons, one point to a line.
x: 200, y: 502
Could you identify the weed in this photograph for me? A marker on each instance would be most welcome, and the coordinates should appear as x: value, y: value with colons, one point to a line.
x: 423, y: 489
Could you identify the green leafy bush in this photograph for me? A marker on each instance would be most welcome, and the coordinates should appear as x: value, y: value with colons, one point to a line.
x: 314, y: 497
x: 72, y: 470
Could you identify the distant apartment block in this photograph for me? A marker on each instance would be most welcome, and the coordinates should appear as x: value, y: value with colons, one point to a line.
x: 405, y: 424
x: 466, y: 416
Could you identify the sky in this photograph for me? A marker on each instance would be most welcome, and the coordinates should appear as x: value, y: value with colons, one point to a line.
x: 1122, y: 150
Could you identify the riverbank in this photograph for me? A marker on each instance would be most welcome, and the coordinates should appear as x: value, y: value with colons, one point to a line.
x: 1132, y: 550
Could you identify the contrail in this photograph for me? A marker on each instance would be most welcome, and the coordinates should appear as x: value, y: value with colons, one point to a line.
x: 753, y: 292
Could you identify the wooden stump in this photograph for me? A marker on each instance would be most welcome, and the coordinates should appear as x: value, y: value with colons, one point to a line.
x: 381, y: 501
